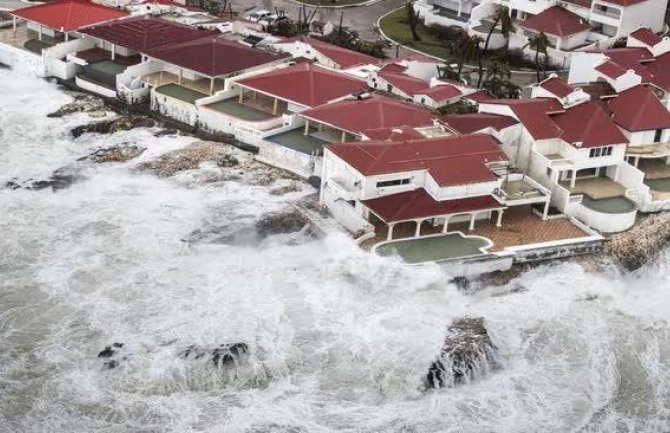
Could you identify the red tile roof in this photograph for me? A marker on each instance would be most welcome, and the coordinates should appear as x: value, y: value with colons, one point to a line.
x: 361, y: 115
x: 145, y: 33
x: 469, y: 123
x: 305, y: 84
x: 533, y: 113
x: 342, y: 57
x: 588, y: 125
x: 419, y: 204
x: 403, y: 82
x: 452, y: 160
x: 442, y: 92
x: 214, y: 56
x: 646, y: 36
x: 69, y: 15
x: 480, y: 96
x: 393, y: 134
x: 638, y: 109
x: 582, y: 125
x: 556, y: 86
x: 610, y: 69
x: 556, y: 21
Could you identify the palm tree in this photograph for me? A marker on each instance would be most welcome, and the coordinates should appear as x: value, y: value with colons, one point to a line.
x: 502, y: 19
x: 497, y: 69
x: 466, y: 47
x: 539, y: 44
x: 412, y: 19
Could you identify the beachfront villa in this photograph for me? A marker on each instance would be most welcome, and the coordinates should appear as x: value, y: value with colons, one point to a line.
x: 570, y: 26
x: 574, y: 149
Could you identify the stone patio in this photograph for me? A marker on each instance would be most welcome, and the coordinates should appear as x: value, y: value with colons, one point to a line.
x: 654, y: 168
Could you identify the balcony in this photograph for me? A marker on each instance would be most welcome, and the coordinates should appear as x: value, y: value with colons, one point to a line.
x: 343, y: 189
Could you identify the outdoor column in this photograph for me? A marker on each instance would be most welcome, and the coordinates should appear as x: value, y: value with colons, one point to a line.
x: 472, y: 221
x: 241, y: 95
x: 417, y: 233
x: 637, y: 161
x: 344, y: 136
x: 446, y: 224
x: 545, y: 215
x: 574, y: 179
x: 211, y: 85
x: 306, y: 127
x: 39, y: 32
x: 275, y: 107
x: 113, y: 51
x: 500, y: 214
x: 460, y: 7
x: 14, y: 25
x: 389, y: 236
x: 67, y: 37
x: 181, y: 75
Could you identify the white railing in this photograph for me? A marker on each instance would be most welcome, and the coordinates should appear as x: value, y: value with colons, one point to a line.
x: 604, y: 222
x: 339, y: 187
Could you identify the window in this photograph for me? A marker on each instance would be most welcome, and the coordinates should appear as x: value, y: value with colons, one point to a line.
x: 395, y: 182
x: 600, y: 151
x: 657, y: 135
x: 549, y: 172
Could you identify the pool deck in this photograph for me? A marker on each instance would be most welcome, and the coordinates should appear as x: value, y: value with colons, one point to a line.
x: 597, y: 188
x: 520, y: 227
x: 654, y: 168
x: 202, y: 85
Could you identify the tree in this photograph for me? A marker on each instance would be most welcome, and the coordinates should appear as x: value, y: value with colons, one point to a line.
x: 466, y: 47
x: 413, y: 19
x: 497, y: 80
x: 501, y: 19
x: 539, y: 44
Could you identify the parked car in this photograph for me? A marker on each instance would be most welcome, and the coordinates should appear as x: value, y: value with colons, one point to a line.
x: 259, y: 15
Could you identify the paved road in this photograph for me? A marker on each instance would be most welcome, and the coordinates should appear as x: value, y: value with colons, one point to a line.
x: 361, y: 19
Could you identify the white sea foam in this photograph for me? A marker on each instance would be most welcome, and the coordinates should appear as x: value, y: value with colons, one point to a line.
x: 339, y: 340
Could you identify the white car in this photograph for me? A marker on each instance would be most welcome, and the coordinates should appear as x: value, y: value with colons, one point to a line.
x: 259, y: 15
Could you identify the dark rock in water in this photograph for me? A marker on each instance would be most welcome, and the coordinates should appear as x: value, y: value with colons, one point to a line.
x: 286, y: 221
x: 110, y: 364
x: 315, y: 181
x: 468, y: 354
x: 166, y: 131
x: 281, y: 190
x: 227, y: 161
x: 123, y: 123
x: 225, y: 354
x: 107, y: 352
x: 3, y: 66
x: 60, y: 179
x: 118, y: 345
x: 239, y: 233
x: 118, y: 153
x: 82, y: 103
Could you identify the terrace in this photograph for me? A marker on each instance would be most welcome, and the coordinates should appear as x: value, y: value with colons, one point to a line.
x: 434, y: 248
x: 27, y: 39
x: 522, y: 227
x: 296, y: 139
x: 179, y: 92
x: 101, y: 68
x: 596, y: 188
x: 204, y: 86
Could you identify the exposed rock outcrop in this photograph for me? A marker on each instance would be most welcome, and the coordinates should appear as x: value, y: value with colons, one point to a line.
x: 640, y: 244
x: 285, y: 221
x: 83, y: 103
x: 122, y: 123
x: 121, y: 152
x: 281, y: 190
x: 225, y: 354
x: 190, y: 158
x: 468, y: 353
x: 60, y: 179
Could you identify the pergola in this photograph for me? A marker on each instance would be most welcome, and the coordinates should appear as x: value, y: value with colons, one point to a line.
x: 418, y: 206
